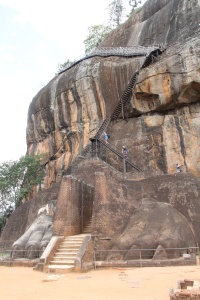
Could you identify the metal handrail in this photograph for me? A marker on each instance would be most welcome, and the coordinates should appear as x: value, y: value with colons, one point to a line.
x: 117, y: 153
x: 142, y: 257
x: 126, y: 95
x: 146, y: 249
x: 115, y: 51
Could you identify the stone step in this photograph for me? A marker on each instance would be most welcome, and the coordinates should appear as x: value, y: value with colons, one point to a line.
x: 75, y: 236
x: 62, y: 262
x: 72, y: 241
x: 87, y: 228
x: 59, y: 269
x: 70, y: 244
x: 88, y: 225
x: 61, y: 254
x: 71, y: 247
x: 63, y: 251
x: 66, y: 257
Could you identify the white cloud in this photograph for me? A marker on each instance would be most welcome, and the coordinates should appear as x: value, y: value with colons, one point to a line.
x: 6, y: 58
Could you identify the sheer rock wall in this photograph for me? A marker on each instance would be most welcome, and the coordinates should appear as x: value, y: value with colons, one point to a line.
x: 68, y: 111
x: 161, y: 125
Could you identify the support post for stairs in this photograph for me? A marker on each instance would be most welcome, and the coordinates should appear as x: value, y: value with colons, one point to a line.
x: 122, y: 109
x: 124, y: 166
x: 96, y: 148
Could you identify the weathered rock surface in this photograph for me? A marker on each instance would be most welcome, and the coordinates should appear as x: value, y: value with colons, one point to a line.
x: 153, y: 225
x: 159, y: 141
x: 160, y: 199
x: 172, y: 82
x: 159, y: 21
x: 66, y: 113
x: 161, y: 128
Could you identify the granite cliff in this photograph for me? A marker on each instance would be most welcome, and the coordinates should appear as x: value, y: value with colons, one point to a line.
x: 160, y: 126
x: 67, y: 112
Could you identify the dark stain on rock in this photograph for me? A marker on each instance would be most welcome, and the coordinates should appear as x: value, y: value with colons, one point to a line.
x: 182, y: 146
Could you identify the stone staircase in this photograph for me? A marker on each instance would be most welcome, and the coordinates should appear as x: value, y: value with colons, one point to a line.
x: 88, y: 227
x: 64, y: 257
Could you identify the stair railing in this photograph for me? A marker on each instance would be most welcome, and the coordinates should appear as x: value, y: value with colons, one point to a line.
x: 96, y: 152
x: 133, y: 51
x: 152, y: 55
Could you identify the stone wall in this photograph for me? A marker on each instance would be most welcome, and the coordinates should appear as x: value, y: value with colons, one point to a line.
x: 74, y: 207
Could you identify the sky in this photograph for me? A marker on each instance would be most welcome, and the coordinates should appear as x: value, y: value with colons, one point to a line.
x: 35, y: 36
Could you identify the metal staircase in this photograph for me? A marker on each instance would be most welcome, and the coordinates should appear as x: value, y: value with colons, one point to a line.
x: 125, y: 160
x: 118, y: 109
x: 102, y: 128
x: 151, y: 57
x: 125, y: 97
x: 134, y: 51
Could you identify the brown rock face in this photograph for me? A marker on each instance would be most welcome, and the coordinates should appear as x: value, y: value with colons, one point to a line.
x: 152, y: 225
x: 159, y: 21
x: 160, y: 127
x: 66, y: 113
x: 171, y: 82
x: 159, y: 141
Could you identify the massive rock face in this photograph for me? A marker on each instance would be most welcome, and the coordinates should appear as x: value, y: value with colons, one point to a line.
x: 160, y: 127
x: 159, y: 21
x: 66, y: 113
x: 152, y: 227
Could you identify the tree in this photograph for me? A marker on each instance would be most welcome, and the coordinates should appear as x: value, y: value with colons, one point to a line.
x: 134, y: 4
x: 116, y: 10
x: 3, y: 218
x: 17, y: 180
x: 64, y: 66
x: 96, y: 35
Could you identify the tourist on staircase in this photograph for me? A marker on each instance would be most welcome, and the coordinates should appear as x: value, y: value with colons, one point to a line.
x: 106, y: 136
x: 124, y: 152
x: 178, y: 167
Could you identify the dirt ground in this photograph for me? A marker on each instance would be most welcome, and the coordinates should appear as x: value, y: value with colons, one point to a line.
x: 20, y: 283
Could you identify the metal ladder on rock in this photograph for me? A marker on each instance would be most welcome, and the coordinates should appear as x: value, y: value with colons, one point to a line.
x: 117, y: 110
x: 122, y: 103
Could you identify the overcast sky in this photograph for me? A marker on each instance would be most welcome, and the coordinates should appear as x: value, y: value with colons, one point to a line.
x: 36, y: 35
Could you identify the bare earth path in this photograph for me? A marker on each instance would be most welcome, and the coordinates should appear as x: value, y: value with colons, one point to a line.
x: 20, y: 283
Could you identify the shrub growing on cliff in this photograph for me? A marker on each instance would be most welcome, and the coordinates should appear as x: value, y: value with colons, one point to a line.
x: 134, y: 4
x: 116, y: 9
x: 95, y: 36
x: 17, y: 179
x: 64, y: 65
